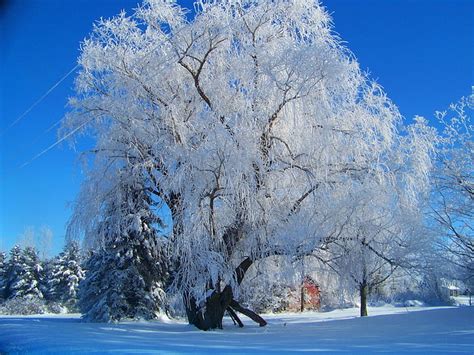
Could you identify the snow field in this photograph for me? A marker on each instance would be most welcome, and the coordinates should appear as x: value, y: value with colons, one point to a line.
x: 388, y: 329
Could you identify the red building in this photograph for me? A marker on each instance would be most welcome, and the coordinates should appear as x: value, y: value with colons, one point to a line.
x: 307, y: 297
x: 310, y: 295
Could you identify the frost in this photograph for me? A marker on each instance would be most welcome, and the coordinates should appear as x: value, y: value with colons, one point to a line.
x: 254, y: 125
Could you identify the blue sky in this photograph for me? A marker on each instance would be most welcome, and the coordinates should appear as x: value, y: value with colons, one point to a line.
x: 420, y: 51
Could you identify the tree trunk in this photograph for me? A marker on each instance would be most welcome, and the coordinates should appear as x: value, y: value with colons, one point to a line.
x: 363, y: 299
x: 251, y: 314
x: 235, y: 317
x: 210, y: 313
x: 302, y: 298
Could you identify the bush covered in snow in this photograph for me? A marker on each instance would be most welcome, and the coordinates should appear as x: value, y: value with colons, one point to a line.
x: 268, y: 298
x: 57, y: 308
x: 30, y: 306
x: 24, y: 306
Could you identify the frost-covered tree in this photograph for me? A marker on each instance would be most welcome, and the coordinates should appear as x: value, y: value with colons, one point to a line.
x: 251, y: 123
x: 453, y: 192
x: 267, y: 286
x: 24, y: 274
x: 125, y: 278
x: 381, y: 236
x: 28, y: 237
x: 44, y: 242
x: 66, y: 274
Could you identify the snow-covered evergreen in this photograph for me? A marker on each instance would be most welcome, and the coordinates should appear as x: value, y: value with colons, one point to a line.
x: 13, y: 271
x: 66, y: 274
x: 47, y: 273
x: 125, y: 278
x: 3, y: 274
x: 24, y: 274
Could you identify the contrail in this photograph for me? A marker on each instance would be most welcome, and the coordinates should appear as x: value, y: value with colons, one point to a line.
x: 56, y: 143
x: 39, y: 100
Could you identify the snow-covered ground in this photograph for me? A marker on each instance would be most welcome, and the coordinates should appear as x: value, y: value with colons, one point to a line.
x: 388, y: 329
x: 463, y: 300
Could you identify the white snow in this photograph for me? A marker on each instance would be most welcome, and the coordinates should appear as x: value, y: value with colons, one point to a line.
x: 388, y: 329
x: 463, y: 300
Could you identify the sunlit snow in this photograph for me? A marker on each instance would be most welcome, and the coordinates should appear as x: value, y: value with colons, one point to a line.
x: 389, y: 329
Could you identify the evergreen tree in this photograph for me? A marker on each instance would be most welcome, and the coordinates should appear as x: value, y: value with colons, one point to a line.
x: 3, y: 274
x: 47, y: 275
x: 13, y: 275
x: 125, y: 278
x: 24, y: 273
x: 66, y: 274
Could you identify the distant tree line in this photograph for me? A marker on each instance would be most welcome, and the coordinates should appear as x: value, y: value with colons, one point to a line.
x: 29, y: 284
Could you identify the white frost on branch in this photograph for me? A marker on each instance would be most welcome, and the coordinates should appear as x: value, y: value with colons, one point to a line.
x: 252, y: 122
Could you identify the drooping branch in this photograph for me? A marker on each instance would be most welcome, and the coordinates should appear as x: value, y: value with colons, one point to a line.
x: 300, y: 200
x: 242, y: 269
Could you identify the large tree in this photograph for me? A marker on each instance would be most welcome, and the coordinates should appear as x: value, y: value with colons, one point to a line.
x: 249, y: 122
x: 453, y: 189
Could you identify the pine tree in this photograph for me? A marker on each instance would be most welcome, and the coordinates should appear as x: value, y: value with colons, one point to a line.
x: 65, y: 275
x: 47, y: 275
x: 3, y: 274
x: 24, y: 273
x: 126, y: 278
x: 13, y: 271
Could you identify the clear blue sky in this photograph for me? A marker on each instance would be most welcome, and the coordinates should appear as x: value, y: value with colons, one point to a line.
x: 421, y: 51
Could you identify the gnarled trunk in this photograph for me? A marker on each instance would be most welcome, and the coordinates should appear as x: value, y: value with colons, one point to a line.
x: 210, y: 313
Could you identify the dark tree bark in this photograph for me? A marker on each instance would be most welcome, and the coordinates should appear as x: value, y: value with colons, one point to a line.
x: 363, y: 289
x: 242, y: 269
x: 251, y: 314
x: 210, y: 313
x: 235, y: 317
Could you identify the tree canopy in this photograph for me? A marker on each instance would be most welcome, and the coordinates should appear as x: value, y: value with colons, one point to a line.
x: 255, y: 126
